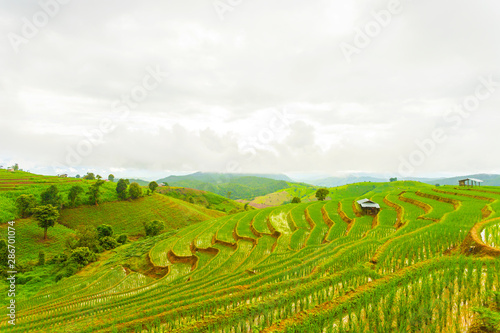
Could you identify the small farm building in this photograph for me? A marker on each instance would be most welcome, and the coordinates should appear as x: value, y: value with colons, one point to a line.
x: 470, y: 182
x: 369, y: 207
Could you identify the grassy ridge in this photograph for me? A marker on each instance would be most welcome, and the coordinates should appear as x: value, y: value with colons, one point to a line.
x: 129, y: 216
x: 371, y: 274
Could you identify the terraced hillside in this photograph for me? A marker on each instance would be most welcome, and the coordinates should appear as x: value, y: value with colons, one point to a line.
x: 423, y: 264
x: 13, y: 184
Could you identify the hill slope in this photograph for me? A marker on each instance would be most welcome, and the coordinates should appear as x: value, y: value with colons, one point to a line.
x: 239, y: 187
x: 310, y: 267
x: 203, y: 198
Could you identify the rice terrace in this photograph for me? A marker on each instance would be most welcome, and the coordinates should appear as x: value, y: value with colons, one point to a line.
x: 424, y: 261
x: 230, y: 166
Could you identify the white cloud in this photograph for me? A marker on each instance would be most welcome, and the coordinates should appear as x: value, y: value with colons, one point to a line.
x: 227, y: 79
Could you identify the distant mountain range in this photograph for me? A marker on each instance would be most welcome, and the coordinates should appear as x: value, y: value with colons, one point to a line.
x: 233, y: 186
x: 249, y: 186
x: 217, y: 178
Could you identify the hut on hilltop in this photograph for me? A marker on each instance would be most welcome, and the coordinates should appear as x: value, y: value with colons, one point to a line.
x: 369, y: 207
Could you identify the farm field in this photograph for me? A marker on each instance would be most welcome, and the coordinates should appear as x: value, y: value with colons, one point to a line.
x: 427, y: 262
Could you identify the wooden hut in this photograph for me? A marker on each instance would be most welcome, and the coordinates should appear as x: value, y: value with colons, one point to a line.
x: 470, y: 182
x: 369, y: 207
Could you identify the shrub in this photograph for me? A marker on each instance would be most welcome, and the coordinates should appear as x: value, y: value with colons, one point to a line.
x: 153, y: 228
x: 108, y: 243
x: 25, y: 204
x: 135, y: 190
x: 59, y: 258
x: 122, y: 239
x: 82, y: 256
x: 104, y: 230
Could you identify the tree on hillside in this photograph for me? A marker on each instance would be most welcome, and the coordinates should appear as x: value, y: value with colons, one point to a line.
x: 86, y: 237
x: 121, y: 189
x: 296, y: 200
x: 46, y: 216
x: 165, y: 183
x: 229, y: 194
x: 15, y: 167
x: 122, y: 239
x: 135, y: 190
x: 111, y: 178
x: 77, y: 176
x: 104, y: 230
x: 25, y: 204
x: 394, y: 179
x: 321, y: 194
x: 153, y: 186
x: 89, y: 176
x: 82, y: 256
x: 94, y: 192
x: 108, y: 243
x: 51, y: 196
x: 153, y: 228
x: 74, y: 194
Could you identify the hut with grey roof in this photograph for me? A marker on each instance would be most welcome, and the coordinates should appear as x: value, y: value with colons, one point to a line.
x: 369, y: 207
x: 470, y: 182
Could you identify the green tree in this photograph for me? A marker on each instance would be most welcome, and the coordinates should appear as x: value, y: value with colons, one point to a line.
x: 121, y: 189
x: 46, y: 217
x: 246, y: 206
x: 122, y: 239
x: 296, y: 200
x: 111, y: 178
x: 229, y: 194
x: 82, y: 256
x: 16, y: 167
x: 153, y: 186
x: 51, y: 196
x: 104, y: 230
x: 74, y: 193
x: 135, y: 190
x: 77, y: 176
x: 86, y: 237
x: 94, y: 192
x: 394, y: 179
x: 25, y: 204
x: 108, y: 243
x: 165, y: 183
x: 89, y: 176
x: 321, y: 194
x: 153, y: 228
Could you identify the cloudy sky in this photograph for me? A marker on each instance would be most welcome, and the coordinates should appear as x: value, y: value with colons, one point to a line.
x: 286, y: 86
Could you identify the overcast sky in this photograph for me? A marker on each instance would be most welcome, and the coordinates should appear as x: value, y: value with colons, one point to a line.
x: 332, y: 87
